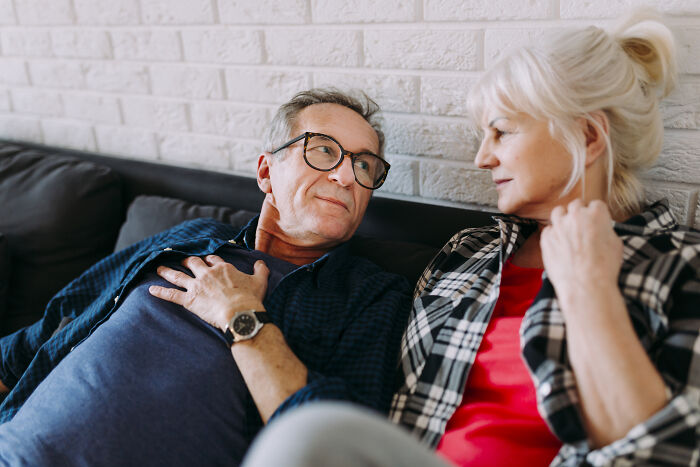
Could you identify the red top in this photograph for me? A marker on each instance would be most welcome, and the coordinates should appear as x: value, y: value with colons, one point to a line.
x: 497, y: 422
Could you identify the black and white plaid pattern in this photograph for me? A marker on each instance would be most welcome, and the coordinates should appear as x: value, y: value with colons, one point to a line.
x: 453, y: 302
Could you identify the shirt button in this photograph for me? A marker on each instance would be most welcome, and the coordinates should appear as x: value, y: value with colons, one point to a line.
x: 233, y: 242
x: 71, y: 349
x: 167, y: 249
x: 116, y: 299
x: 546, y: 389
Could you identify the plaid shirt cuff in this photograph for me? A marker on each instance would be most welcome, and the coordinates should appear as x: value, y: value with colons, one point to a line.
x: 660, y: 440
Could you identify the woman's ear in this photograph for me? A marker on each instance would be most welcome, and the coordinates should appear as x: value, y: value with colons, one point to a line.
x: 263, y: 173
x: 596, y: 130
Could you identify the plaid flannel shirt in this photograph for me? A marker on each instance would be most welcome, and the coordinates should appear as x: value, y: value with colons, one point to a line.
x: 342, y: 315
x: 453, y: 302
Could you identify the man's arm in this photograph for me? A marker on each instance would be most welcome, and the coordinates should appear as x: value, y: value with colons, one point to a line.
x: 3, y: 389
x: 269, y: 367
x: 361, y: 365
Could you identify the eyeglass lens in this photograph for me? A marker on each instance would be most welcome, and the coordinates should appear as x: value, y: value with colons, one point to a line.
x: 323, y: 153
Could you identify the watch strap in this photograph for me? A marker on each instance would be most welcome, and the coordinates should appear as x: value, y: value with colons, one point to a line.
x: 263, y: 316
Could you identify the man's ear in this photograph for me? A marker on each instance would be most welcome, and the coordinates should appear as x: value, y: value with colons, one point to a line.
x: 596, y: 132
x: 263, y: 173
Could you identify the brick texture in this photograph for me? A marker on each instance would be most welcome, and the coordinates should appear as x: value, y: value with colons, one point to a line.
x: 177, y: 11
x: 313, y: 47
x: 263, y: 11
x: 152, y: 45
x: 120, y: 141
x: 422, y: 50
x: 69, y: 134
x: 187, y: 81
x: 57, y: 74
x: 222, y: 46
x: 147, y: 112
x: 7, y: 12
x: 195, y: 82
x: 108, y: 12
x: 479, y: 10
x: 363, y: 11
x: 81, y: 44
x: 45, y: 12
x: 26, y: 42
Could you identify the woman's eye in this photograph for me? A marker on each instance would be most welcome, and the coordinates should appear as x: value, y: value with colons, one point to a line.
x: 498, y: 133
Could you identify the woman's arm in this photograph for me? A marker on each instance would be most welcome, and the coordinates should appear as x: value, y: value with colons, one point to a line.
x: 618, y: 384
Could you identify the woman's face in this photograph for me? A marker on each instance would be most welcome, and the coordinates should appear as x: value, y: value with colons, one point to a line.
x: 530, y: 168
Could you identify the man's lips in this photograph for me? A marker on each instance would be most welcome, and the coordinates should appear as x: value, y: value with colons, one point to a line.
x: 501, y: 181
x: 333, y: 201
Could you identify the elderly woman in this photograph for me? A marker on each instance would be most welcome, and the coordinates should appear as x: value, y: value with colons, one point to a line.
x: 567, y: 333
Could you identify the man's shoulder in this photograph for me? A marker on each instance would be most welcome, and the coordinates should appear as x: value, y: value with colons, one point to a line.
x: 199, y: 228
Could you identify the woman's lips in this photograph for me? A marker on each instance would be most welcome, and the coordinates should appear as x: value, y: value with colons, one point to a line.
x: 500, y: 182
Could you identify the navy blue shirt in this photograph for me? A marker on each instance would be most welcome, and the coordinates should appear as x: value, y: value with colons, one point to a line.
x: 153, y: 385
x: 341, y: 315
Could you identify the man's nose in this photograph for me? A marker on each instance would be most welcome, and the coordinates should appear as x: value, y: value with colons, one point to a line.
x: 343, y: 174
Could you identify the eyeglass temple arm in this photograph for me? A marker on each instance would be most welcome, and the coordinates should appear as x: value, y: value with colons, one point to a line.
x: 289, y: 143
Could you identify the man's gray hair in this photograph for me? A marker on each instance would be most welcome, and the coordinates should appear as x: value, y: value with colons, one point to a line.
x: 280, y: 128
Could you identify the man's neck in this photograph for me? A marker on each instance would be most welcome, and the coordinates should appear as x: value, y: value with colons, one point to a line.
x: 271, y: 239
x: 271, y: 243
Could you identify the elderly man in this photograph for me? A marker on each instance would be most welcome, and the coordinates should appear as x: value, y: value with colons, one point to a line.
x: 280, y: 313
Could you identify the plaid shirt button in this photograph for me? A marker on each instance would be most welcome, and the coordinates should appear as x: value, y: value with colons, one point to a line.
x: 546, y: 389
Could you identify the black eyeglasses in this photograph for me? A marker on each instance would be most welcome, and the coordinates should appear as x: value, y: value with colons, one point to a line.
x: 322, y: 152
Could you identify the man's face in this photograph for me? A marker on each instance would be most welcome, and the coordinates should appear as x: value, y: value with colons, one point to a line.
x: 315, y: 208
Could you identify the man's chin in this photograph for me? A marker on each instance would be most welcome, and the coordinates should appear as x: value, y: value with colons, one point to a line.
x: 335, y: 233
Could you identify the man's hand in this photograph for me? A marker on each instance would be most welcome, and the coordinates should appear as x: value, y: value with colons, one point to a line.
x: 216, y: 291
x: 580, y: 249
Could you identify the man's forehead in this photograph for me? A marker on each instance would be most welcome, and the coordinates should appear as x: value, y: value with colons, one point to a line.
x: 340, y: 122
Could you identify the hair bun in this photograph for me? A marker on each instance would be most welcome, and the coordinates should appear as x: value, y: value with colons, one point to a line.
x: 649, y: 43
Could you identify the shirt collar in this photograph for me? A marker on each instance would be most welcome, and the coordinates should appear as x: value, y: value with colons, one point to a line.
x: 514, y: 231
x: 654, y: 219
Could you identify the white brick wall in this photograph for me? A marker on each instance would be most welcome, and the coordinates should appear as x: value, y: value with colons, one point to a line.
x: 194, y: 82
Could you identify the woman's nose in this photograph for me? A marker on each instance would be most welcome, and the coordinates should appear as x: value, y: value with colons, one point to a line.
x: 485, y: 158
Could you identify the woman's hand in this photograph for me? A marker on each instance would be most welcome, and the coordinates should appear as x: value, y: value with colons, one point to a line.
x: 217, y: 291
x: 618, y: 385
x: 580, y: 249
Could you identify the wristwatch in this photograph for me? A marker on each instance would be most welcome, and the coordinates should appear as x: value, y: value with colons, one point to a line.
x: 245, y: 325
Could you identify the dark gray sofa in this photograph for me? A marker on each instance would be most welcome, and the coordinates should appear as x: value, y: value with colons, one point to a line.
x: 62, y: 210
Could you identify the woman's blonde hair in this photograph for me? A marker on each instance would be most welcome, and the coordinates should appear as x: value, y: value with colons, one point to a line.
x: 624, y: 72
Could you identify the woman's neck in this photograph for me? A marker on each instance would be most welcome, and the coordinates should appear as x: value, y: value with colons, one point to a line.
x: 530, y: 255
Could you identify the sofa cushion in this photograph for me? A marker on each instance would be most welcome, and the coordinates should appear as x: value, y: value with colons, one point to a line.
x: 148, y: 215
x: 4, y: 275
x: 405, y: 258
x: 60, y: 216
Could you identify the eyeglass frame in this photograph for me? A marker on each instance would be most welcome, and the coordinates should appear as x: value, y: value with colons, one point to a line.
x: 343, y: 152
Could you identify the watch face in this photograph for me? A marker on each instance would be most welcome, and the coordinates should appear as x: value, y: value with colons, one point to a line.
x: 244, y: 325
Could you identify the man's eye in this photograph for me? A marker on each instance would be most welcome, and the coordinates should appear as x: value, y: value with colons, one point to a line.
x: 322, y: 149
x: 362, y: 165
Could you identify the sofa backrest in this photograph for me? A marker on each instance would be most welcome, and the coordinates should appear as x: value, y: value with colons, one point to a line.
x: 62, y: 210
